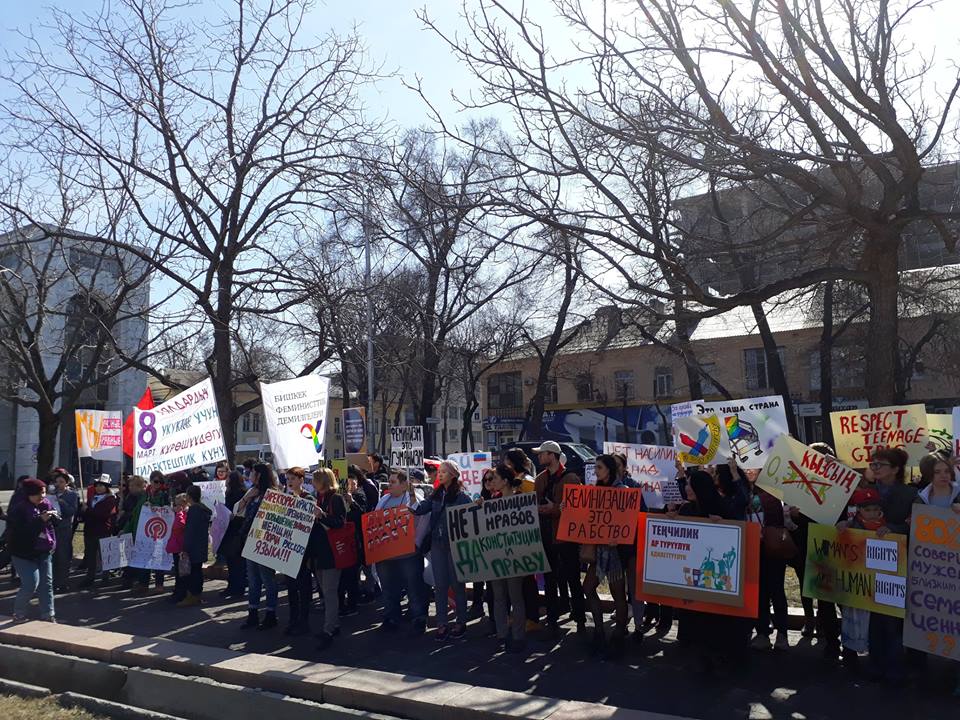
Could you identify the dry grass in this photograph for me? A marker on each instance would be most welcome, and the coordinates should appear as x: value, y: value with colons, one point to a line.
x: 18, y: 708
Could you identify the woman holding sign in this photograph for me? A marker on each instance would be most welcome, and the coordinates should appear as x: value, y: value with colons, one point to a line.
x: 260, y: 577
x: 331, y: 514
x: 510, y: 590
x: 300, y: 588
x: 449, y: 494
x: 608, y: 564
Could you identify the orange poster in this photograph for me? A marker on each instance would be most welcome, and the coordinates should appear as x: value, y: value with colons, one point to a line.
x: 688, y: 576
x: 387, y: 534
x: 595, y: 515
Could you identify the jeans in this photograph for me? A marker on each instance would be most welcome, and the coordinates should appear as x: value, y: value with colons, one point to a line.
x: 300, y: 596
x: 91, y: 556
x: 35, y: 576
x: 260, y: 577
x: 444, y: 578
x: 771, y: 590
x: 886, y: 647
x: 329, y: 579
x: 509, y: 591
x: 396, y: 575
x: 565, y: 562
x: 63, y: 555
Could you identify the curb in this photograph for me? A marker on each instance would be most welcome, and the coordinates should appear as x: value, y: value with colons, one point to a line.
x: 117, y: 664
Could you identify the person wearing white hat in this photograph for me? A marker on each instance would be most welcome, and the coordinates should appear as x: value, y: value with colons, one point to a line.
x: 564, y: 556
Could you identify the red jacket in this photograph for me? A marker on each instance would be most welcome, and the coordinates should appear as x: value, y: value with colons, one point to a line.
x: 98, y: 519
x: 175, y: 543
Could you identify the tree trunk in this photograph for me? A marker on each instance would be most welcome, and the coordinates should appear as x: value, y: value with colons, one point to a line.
x: 774, y: 367
x: 46, y: 440
x: 222, y: 370
x: 684, y: 328
x: 882, y: 264
x: 428, y: 394
x: 826, y: 365
x: 466, y: 432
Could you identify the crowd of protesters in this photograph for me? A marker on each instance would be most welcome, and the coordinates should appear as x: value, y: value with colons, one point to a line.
x: 42, y: 518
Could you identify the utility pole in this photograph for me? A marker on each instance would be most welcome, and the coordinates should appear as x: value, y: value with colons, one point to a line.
x: 371, y: 438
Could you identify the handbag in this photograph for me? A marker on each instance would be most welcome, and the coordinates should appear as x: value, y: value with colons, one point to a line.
x: 343, y: 545
x: 778, y: 544
x: 184, y: 565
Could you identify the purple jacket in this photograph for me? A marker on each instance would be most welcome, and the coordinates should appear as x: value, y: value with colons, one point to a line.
x: 29, y: 536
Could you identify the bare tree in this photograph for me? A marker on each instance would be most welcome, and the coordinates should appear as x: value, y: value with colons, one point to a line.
x: 221, y: 139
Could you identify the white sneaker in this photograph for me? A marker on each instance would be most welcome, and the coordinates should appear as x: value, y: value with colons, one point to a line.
x: 760, y: 642
x: 782, y: 642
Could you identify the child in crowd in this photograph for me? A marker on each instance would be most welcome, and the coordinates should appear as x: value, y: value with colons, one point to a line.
x: 855, y: 624
x: 196, y: 533
x: 175, y: 546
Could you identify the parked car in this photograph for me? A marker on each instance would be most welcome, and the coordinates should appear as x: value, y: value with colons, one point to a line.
x: 578, y: 454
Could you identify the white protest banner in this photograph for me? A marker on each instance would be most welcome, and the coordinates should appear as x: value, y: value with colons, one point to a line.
x: 701, y: 440
x: 219, y: 525
x: 654, y: 468
x: 752, y: 426
x: 278, y: 537
x: 150, y: 544
x: 406, y: 446
x: 115, y: 552
x: 681, y: 410
x: 99, y: 434
x: 295, y: 412
x: 496, y: 540
x: 182, y: 433
x: 820, y: 486
x: 471, y: 467
x: 212, y: 492
x: 859, y: 433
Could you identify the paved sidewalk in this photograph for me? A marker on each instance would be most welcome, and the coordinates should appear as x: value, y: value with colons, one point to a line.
x: 658, y: 675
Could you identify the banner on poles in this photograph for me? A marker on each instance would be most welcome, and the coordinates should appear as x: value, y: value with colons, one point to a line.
x: 354, y: 431
x: 150, y: 544
x: 858, y: 434
x: 182, y: 433
x: 472, y: 467
x: 595, y: 515
x: 752, y: 427
x: 388, y: 533
x: 654, y: 468
x: 406, y: 446
x: 819, y: 485
x: 99, y: 434
x: 280, y: 531
x: 711, y: 567
x: 857, y: 568
x: 295, y: 412
x: 496, y: 540
x: 115, y: 552
x: 932, y: 622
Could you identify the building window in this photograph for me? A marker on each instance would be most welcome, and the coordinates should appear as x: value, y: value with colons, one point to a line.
x: 477, y: 438
x: 706, y: 385
x: 624, y: 387
x: 505, y: 391
x: 476, y: 416
x: 846, y: 369
x: 454, y: 412
x: 251, y: 422
x: 452, y: 435
x: 246, y: 422
x: 663, y: 382
x: 550, y: 394
x: 757, y: 375
x: 336, y: 426
x: 584, y: 385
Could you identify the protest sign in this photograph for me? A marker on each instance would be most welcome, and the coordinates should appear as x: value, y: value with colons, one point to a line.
x: 820, y: 486
x: 280, y: 530
x: 99, y: 434
x: 387, y: 534
x: 599, y: 515
x: 701, y: 441
x: 295, y: 412
x: 212, y: 492
x: 471, y: 467
x: 752, y: 426
x: 700, y: 565
x: 406, y: 446
x: 956, y: 432
x: 932, y: 622
x: 115, y: 552
x: 654, y: 468
x: 182, y: 433
x: 219, y: 525
x: 857, y: 434
x: 340, y: 467
x: 589, y: 473
x: 354, y: 430
x: 940, y: 432
x: 150, y: 543
x: 681, y: 410
x: 856, y: 568
x: 496, y: 540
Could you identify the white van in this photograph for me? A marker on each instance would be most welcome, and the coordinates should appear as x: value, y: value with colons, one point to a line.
x: 261, y: 452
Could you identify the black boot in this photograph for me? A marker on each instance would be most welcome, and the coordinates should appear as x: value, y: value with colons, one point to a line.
x: 269, y: 620
x: 253, y: 619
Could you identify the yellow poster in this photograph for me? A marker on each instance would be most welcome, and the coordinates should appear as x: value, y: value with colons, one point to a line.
x: 858, y: 434
x: 940, y: 431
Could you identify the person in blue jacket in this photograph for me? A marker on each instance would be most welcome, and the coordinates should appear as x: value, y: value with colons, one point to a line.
x: 448, y: 494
